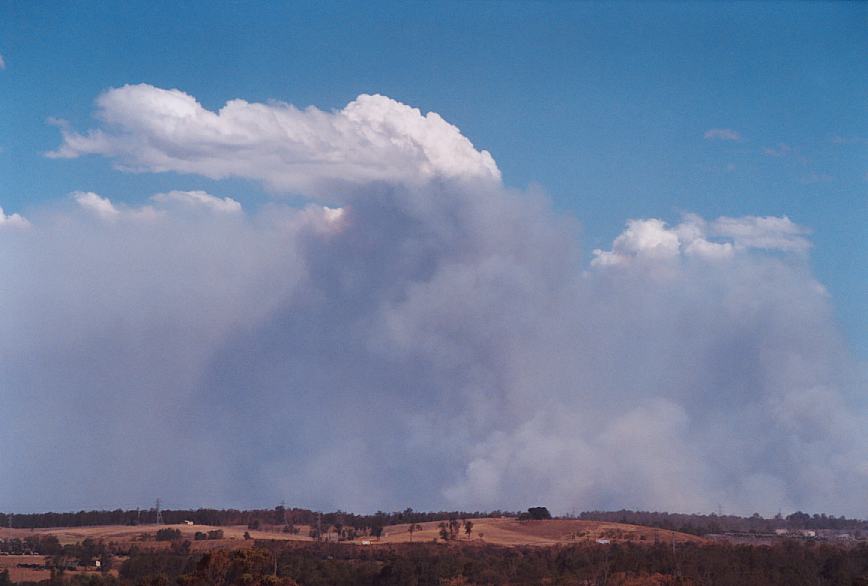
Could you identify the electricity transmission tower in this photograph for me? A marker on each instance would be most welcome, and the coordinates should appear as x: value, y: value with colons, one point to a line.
x: 159, y: 513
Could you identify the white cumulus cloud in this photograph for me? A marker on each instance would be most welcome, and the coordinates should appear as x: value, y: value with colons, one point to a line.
x: 12, y: 220
x: 373, y: 139
x: 642, y: 239
x: 96, y: 204
x: 652, y: 239
x: 201, y: 199
x: 104, y: 209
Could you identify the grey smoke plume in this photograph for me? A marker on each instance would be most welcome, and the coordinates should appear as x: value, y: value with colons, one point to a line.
x: 435, y: 341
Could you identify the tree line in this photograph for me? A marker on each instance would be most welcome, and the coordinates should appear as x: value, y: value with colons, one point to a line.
x: 255, y: 518
x: 789, y: 563
x: 698, y: 524
x: 701, y: 524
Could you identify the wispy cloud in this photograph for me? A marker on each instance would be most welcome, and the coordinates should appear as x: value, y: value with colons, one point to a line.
x: 2, y: 62
x: 765, y: 233
x: 844, y: 140
x: 814, y: 177
x: 782, y: 150
x: 722, y: 134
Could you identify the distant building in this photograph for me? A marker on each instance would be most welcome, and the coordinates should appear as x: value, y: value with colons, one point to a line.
x: 188, y: 522
x: 808, y: 533
x: 603, y: 541
x: 780, y: 532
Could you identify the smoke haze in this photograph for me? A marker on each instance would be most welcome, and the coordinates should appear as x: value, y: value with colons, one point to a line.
x: 417, y: 335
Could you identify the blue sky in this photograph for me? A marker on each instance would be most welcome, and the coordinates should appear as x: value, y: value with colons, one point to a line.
x: 604, y: 106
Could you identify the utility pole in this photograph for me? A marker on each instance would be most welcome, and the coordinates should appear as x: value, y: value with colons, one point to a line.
x: 675, y: 558
x: 8, y: 545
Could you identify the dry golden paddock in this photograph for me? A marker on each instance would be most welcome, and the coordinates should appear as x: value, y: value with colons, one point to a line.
x: 505, y: 531
x: 512, y: 532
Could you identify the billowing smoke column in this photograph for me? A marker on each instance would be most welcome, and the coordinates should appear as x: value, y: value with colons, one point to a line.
x: 417, y: 335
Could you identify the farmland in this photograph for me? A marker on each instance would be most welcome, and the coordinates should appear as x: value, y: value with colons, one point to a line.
x: 503, y: 550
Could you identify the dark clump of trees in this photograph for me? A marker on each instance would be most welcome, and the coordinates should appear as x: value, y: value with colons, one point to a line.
x: 202, y: 536
x: 168, y: 534
x: 35, y: 544
x: 273, y: 563
x: 59, y: 559
x: 333, y: 564
x: 536, y: 514
x: 251, y: 567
